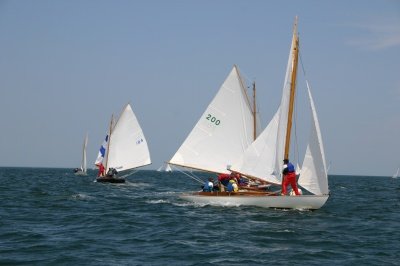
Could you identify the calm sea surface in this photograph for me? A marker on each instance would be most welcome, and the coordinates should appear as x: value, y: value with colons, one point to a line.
x: 51, y: 217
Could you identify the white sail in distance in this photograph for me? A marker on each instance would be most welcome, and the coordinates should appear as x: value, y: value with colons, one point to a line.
x: 84, y: 163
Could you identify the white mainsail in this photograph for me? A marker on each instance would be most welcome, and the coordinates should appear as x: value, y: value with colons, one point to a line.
x: 223, y: 132
x: 127, y: 147
x: 83, y: 163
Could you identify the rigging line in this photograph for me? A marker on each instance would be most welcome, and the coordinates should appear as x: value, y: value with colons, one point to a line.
x: 302, y: 65
x: 129, y: 174
x: 191, y: 176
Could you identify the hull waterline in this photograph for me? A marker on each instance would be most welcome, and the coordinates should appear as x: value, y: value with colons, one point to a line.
x: 311, y: 202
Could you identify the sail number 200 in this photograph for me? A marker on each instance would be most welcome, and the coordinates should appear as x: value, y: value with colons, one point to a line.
x: 213, y: 119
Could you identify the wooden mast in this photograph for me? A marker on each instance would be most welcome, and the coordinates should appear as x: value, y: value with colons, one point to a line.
x: 254, y: 112
x: 108, y: 143
x: 295, y: 56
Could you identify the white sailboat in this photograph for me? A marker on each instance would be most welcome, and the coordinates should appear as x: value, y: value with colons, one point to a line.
x: 263, y: 159
x: 164, y: 168
x: 223, y: 132
x: 82, y: 171
x: 396, y: 174
x: 124, y: 148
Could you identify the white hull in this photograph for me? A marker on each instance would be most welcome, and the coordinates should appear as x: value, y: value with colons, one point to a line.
x: 283, y: 202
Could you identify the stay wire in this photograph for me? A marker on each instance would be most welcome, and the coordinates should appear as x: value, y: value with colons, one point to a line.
x: 192, y: 176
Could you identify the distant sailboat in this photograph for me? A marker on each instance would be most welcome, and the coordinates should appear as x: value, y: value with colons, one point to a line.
x: 165, y: 168
x: 82, y: 171
x: 123, y: 149
x: 396, y: 174
x: 262, y: 161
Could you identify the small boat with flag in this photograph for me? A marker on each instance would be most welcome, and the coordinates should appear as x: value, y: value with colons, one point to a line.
x: 123, y: 150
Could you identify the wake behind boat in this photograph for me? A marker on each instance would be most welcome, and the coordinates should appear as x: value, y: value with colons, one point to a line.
x: 124, y: 149
x: 261, y: 162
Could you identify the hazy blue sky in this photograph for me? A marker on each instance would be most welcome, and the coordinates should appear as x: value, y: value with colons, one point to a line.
x: 66, y: 66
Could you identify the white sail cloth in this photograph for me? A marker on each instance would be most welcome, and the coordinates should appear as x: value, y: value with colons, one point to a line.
x: 127, y: 145
x: 223, y: 132
x: 314, y: 176
x: 83, y: 163
x: 267, y: 151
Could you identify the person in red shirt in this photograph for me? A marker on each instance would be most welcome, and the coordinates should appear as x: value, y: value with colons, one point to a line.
x: 101, y: 170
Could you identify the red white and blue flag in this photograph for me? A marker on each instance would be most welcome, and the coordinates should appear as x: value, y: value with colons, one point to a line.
x: 102, y: 152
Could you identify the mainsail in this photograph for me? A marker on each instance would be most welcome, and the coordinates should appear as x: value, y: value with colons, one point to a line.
x: 83, y: 163
x: 127, y: 147
x: 223, y: 132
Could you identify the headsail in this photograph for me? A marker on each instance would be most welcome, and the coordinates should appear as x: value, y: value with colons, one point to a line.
x: 314, y: 175
x: 223, y: 132
x: 259, y: 158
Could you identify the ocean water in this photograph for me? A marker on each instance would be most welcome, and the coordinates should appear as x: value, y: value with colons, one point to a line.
x: 51, y: 217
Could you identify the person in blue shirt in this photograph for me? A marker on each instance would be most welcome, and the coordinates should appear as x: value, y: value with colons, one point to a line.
x: 209, y: 185
x: 289, y: 177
